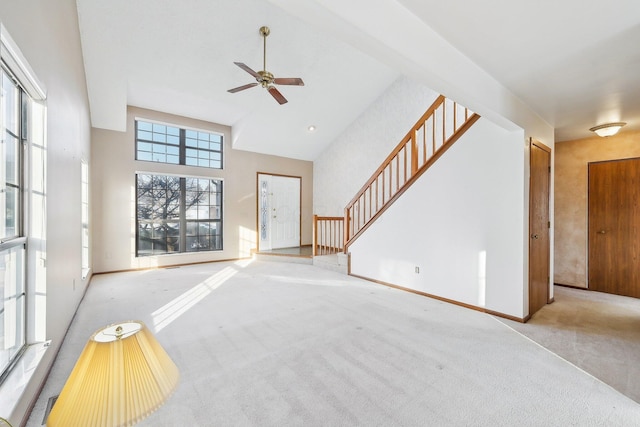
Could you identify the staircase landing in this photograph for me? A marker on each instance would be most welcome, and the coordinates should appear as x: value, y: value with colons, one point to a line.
x: 335, y: 262
x: 303, y: 255
x: 297, y: 255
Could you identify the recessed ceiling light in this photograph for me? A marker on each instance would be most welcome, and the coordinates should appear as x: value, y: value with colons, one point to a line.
x: 311, y: 128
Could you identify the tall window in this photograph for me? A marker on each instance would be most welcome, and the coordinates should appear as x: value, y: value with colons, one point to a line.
x: 13, y: 107
x: 163, y: 143
x: 85, y: 217
x: 177, y: 214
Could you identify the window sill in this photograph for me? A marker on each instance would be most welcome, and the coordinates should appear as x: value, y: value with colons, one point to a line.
x: 14, y: 386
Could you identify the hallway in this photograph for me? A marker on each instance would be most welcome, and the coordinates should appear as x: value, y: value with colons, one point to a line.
x: 597, y: 332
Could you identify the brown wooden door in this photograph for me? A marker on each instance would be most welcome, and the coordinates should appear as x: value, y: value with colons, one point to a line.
x: 540, y: 167
x: 614, y: 227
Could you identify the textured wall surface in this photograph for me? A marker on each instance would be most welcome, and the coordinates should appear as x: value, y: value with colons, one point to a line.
x: 354, y: 156
x: 571, y: 218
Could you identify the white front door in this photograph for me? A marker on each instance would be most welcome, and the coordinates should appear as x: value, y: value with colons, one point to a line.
x: 278, y: 211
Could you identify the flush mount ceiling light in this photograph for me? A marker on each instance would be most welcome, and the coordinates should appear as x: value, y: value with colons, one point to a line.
x: 607, y: 129
x: 311, y: 128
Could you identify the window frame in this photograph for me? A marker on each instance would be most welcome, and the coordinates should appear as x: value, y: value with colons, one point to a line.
x: 18, y: 238
x: 33, y: 239
x: 181, y: 219
x: 86, y: 220
x: 20, y: 146
x: 182, y: 146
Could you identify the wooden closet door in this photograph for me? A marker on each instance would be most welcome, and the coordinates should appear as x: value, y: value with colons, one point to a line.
x: 614, y: 227
x: 539, y: 250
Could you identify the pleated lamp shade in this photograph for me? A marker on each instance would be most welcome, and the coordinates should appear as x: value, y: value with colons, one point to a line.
x: 122, y: 375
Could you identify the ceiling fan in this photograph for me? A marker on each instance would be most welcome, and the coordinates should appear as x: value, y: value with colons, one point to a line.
x: 265, y: 78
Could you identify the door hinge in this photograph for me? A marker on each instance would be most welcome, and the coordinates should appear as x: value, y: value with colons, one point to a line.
x: 548, y: 224
x: 549, y: 169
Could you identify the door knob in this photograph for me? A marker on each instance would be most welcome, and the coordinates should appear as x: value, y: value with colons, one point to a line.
x: 602, y: 232
x: 534, y: 236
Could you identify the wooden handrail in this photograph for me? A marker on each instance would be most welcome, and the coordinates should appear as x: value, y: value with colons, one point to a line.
x: 439, y: 100
x: 328, y: 237
x: 439, y: 127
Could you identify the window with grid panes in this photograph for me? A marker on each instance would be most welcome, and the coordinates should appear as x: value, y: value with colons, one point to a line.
x: 177, y: 214
x: 163, y: 143
x: 13, y: 134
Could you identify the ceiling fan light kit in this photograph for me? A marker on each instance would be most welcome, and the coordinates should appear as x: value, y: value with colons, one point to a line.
x: 264, y: 78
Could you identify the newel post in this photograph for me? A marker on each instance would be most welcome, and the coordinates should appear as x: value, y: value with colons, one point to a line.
x: 315, y: 235
x: 347, y: 221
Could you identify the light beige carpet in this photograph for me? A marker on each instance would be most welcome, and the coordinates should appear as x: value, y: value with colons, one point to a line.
x: 275, y: 344
x: 597, y: 332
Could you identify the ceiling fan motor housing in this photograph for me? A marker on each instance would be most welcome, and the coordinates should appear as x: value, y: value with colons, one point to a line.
x: 265, y: 78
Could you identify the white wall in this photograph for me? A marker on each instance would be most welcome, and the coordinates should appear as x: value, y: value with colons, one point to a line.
x: 343, y: 168
x: 47, y: 34
x: 467, y: 208
x: 399, y: 39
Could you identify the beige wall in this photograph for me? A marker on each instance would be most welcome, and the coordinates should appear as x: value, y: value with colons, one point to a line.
x: 571, y: 160
x: 113, y: 204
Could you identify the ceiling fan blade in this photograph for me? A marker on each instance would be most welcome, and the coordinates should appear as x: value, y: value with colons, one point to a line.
x: 293, y: 81
x: 239, y: 88
x: 277, y: 95
x: 247, y: 69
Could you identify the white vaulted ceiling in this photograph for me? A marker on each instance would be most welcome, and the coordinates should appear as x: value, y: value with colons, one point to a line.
x: 574, y: 63
x: 177, y: 57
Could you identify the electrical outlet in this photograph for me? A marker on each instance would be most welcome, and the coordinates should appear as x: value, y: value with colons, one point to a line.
x: 417, y: 270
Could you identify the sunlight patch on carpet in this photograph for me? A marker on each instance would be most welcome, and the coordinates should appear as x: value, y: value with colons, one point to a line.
x: 166, y: 314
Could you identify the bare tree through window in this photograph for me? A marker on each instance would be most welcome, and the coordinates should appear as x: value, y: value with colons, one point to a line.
x: 177, y: 214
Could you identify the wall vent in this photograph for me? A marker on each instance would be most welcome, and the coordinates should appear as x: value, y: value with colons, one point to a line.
x: 50, y: 403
